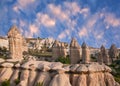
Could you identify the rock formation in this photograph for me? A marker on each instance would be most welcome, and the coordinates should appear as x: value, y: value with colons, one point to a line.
x: 85, y: 53
x: 63, y: 51
x: 113, y: 52
x: 56, y: 50
x: 75, y: 55
x: 103, y: 56
x: 15, y: 43
x: 31, y: 73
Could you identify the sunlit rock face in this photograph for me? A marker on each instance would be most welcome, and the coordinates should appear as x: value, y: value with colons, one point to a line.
x: 58, y: 50
x: 17, y: 43
x: 75, y: 51
x: 103, y: 56
x: 85, y: 53
x: 32, y: 73
x: 113, y: 52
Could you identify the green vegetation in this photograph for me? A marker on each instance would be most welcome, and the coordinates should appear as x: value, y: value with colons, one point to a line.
x: 5, y: 83
x: 39, y: 84
x: 93, y: 58
x: 17, y: 81
x: 3, y: 52
x: 64, y: 60
x: 115, y: 66
x: 41, y: 53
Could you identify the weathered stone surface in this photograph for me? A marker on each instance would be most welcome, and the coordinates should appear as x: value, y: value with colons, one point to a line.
x: 85, y: 53
x: 5, y: 74
x: 17, y: 43
x: 82, y: 68
x: 113, y: 52
x: 32, y: 75
x: 14, y: 77
x: 60, y: 80
x: 57, y: 74
x: 103, y: 56
x: 75, y: 51
x: 44, y: 78
x: 24, y: 78
x: 56, y: 50
x: 8, y: 65
x: 1, y: 60
x: 82, y: 80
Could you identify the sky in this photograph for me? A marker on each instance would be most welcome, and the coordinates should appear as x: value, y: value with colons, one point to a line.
x: 96, y: 22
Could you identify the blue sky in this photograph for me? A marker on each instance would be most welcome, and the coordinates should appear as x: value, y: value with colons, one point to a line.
x: 96, y: 22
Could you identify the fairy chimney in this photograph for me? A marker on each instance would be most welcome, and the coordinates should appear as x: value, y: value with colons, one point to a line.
x: 113, y: 52
x: 85, y: 53
x: 104, y: 55
x: 56, y: 50
x: 75, y: 54
x: 15, y: 43
x: 63, y: 51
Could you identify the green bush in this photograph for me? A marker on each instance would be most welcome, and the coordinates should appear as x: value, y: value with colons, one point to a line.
x: 64, y: 60
x: 117, y: 79
x: 17, y: 81
x: 39, y: 84
x: 5, y: 83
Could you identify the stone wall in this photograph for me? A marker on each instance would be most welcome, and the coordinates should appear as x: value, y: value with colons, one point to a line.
x: 55, y: 73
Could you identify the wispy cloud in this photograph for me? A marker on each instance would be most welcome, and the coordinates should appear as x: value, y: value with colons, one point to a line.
x: 57, y: 12
x: 64, y: 34
x: 44, y: 19
x: 111, y: 20
x: 33, y: 30
x: 83, y: 32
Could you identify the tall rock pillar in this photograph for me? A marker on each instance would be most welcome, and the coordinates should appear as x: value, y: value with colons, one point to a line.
x: 15, y: 43
x: 75, y: 55
x: 63, y: 51
x: 56, y: 50
x: 104, y: 54
x: 85, y: 53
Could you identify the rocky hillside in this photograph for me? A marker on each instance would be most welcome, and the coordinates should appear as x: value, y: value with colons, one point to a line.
x: 42, y: 73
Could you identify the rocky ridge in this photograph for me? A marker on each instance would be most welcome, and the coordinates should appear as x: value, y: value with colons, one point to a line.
x: 30, y: 73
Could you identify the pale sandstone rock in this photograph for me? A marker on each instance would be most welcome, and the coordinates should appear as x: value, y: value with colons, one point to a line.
x: 74, y: 67
x: 56, y: 50
x: 32, y: 76
x: 60, y: 80
x: 2, y: 60
x: 13, y: 60
x: 82, y: 68
x: 109, y: 80
x: 5, y: 74
x: 7, y: 65
x: 17, y: 65
x: 55, y: 65
x: 67, y: 68
x: 85, y: 53
x: 93, y: 79
x: 24, y: 78
x: 14, y: 77
x: 74, y: 79
x: 15, y: 43
x: 82, y: 80
x: 43, y: 77
x: 101, y: 79
x: 75, y: 51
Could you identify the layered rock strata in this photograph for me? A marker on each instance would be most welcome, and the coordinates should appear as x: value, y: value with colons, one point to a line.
x: 31, y: 73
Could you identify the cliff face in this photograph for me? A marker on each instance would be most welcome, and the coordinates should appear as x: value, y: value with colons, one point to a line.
x: 31, y: 73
